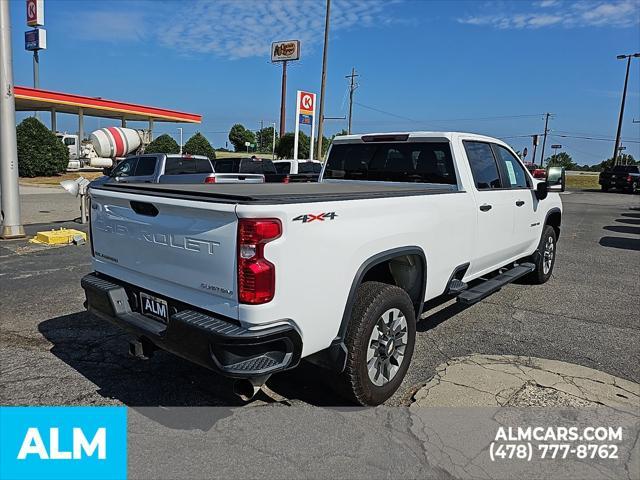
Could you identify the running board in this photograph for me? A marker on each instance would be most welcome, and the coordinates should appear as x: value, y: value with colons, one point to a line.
x: 486, y: 288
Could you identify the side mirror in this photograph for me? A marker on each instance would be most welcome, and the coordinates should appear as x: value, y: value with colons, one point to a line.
x: 542, y: 190
x: 556, y: 179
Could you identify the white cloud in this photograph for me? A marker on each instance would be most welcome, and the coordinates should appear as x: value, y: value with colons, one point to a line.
x: 109, y: 26
x: 240, y: 29
x: 612, y: 13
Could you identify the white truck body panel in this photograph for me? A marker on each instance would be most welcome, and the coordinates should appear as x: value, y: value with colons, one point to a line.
x: 316, y: 262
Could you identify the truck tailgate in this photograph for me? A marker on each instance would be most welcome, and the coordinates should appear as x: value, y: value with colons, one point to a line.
x: 180, y: 249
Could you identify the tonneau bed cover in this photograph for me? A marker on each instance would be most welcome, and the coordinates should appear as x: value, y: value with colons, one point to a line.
x: 278, y: 193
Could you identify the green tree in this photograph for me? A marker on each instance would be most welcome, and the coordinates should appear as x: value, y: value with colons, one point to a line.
x: 199, y: 145
x: 238, y: 136
x: 562, y: 159
x: 284, y: 149
x: 163, y: 144
x: 264, y: 139
x: 40, y: 152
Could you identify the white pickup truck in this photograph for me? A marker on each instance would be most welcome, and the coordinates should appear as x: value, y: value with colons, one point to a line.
x: 221, y: 274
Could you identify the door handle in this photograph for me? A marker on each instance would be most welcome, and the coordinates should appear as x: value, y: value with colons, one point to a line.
x: 519, y: 203
x: 485, y: 207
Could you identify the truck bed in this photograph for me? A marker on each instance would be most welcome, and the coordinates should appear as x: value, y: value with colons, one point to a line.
x: 281, y: 193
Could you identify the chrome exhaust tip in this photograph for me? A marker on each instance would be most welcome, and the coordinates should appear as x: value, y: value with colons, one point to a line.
x: 247, y: 388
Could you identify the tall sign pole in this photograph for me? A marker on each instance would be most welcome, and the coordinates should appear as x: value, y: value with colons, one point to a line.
x: 323, y: 80
x: 305, y: 115
x: 283, y: 99
x: 10, y: 196
x: 284, y: 51
x: 36, y: 39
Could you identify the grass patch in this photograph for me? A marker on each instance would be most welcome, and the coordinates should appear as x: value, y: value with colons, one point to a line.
x: 578, y: 182
x: 220, y: 155
x: 56, y: 179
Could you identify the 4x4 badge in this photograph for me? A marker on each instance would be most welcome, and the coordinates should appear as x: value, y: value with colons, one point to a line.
x: 310, y: 217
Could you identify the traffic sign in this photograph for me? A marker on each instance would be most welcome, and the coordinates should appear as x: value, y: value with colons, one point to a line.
x: 556, y: 146
x: 35, y: 13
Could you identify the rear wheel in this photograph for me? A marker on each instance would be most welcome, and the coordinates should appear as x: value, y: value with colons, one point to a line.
x: 380, y: 341
x: 545, y: 257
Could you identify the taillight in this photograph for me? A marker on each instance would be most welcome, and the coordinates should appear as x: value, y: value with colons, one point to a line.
x: 256, y: 275
x: 629, y: 179
x: 210, y: 180
x: 286, y: 179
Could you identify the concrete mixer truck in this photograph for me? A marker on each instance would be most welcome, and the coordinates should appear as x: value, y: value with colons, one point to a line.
x: 104, y: 147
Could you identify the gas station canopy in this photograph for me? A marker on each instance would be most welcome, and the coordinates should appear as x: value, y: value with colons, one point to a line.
x: 32, y: 99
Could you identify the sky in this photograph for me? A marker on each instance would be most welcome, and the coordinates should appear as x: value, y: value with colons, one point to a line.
x: 490, y: 67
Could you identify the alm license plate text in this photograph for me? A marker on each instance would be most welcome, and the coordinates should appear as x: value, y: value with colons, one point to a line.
x: 154, y: 307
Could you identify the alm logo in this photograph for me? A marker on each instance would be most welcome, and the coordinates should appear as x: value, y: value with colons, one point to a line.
x: 63, y: 443
x: 34, y: 445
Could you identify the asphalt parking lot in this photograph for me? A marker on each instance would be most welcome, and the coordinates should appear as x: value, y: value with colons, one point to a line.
x: 52, y: 352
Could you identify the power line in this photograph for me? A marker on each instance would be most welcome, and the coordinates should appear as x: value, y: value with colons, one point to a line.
x: 498, y: 117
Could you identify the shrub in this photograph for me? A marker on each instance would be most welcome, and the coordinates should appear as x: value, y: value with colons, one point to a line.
x: 199, y: 145
x: 40, y: 152
x: 163, y: 144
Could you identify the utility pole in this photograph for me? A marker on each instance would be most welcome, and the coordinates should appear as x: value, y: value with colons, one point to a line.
x: 352, y: 87
x: 534, y: 140
x: 10, y: 195
x: 324, y: 80
x: 283, y: 98
x: 180, y: 130
x: 624, y: 97
x: 260, y: 133
x: 544, y: 138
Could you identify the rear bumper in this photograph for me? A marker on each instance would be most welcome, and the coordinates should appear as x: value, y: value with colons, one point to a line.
x: 203, y: 338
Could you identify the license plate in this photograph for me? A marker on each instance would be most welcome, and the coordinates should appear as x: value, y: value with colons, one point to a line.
x: 154, y: 307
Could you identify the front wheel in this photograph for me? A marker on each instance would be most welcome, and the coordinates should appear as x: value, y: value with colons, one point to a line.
x: 545, y: 257
x: 380, y: 341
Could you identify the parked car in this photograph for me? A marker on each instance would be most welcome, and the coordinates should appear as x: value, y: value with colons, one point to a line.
x: 299, y: 170
x: 225, y: 278
x: 253, y: 165
x: 620, y: 177
x: 536, y: 171
x: 171, y: 168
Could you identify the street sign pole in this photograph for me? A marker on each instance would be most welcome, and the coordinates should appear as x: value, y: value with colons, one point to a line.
x: 313, y: 129
x: 297, y: 129
x: 9, y: 193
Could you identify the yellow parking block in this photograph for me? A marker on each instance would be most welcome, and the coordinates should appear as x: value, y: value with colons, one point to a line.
x: 64, y: 236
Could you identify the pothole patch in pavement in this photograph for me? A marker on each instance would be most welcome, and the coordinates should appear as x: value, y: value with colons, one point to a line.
x: 517, y: 381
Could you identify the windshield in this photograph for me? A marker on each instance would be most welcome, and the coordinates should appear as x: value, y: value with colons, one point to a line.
x: 423, y: 162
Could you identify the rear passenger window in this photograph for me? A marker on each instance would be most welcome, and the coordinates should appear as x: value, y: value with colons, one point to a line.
x: 483, y: 165
x: 224, y: 166
x: 179, y: 166
x: 146, y: 166
x: 309, y: 167
x: 420, y: 162
x: 513, y: 170
x: 282, y: 167
x: 203, y: 165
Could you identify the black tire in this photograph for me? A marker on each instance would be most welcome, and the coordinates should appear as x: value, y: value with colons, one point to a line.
x: 372, y: 300
x: 604, y: 188
x: 539, y: 276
